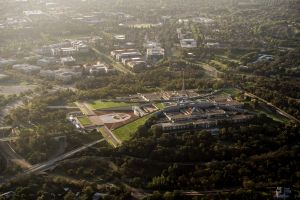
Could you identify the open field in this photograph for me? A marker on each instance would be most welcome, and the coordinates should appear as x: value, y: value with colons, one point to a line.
x: 232, y: 91
x: 97, y: 105
x: 225, y: 58
x: 84, y: 121
x: 160, y: 105
x: 219, y: 65
x: 271, y: 114
x: 126, y: 132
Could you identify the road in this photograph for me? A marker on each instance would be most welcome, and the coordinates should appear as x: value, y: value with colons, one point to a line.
x: 116, y: 65
x: 208, y: 69
x: 8, y: 139
x: 278, y: 110
x: 12, y: 156
x: 51, y: 163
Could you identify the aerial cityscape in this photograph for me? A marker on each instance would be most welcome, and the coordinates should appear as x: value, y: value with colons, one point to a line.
x: 151, y: 100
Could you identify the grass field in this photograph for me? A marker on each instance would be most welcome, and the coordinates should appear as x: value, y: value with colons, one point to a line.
x: 222, y: 66
x: 127, y: 131
x: 104, y: 135
x: 85, y: 121
x: 232, y: 91
x: 97, y: 105
x: 160, y: 105
x: 272, y: 115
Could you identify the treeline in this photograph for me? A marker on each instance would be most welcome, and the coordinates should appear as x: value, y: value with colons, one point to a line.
x: 38, y: 126
x: 282, y: 93
x: 285, y: 64
x: 167, y: 78
x: 4, y: 100
x: 252, y: 157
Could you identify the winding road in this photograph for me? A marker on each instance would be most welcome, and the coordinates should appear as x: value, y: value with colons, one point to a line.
x: 51, y: 163
x: 278, y: 110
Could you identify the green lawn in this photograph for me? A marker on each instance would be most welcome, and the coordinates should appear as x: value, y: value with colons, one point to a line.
x: 127, y: 131
x: 85, y: 121
x: 274, y: 116
x: 220, y: 64
x: 104, y: 135
x: 232, y: 91
x: 160, y: 105
x: 97, y: 105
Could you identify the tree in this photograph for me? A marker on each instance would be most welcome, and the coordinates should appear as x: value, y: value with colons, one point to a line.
x: 168, y: 196
x: 88, y: 190
x: 69, y: 196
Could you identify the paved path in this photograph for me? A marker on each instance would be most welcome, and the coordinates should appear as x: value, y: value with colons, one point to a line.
x: 84, y: 109
x: 8, y: 139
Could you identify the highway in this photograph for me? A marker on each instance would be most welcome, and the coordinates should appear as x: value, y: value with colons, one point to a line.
x: 51, y: 163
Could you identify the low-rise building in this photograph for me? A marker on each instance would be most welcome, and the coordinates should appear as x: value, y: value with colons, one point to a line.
x: 188, y: 43
x: 49, y: 74
x: 68, y: 51
x: 114, y: 53
x: 213, y: 44
x: 155, y: 54
x: 151, y: 44
x: 67, y: 60
x: 66, y: 75
x: 98, y: 70
x: 3, y: 77
x: 66, y: 48
x: 282, y: 193
x: 189, y: 115
x: 264, y: 57
x: 6, y: 62
x: 120, y: 37
x: 46, y: 62
x: 137, y: 65
x: 126, y: 60
x: 133, y: 54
